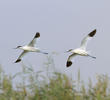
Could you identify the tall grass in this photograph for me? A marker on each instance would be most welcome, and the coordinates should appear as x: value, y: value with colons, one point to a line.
x: 57, y: 86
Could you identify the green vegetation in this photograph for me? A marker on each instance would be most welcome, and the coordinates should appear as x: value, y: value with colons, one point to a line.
x: 53, y: 86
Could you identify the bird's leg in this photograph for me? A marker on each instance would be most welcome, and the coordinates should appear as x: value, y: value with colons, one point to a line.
x: 91, y: 56
x: 43, y: 52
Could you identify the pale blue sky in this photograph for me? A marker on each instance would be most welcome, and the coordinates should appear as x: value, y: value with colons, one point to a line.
x: 62, y: 24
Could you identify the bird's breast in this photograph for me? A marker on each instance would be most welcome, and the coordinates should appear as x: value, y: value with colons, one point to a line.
x: 80, y: 52
x: 31, y: 49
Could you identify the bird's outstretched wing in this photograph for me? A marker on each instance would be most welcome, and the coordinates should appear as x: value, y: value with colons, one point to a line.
x: 32, y: 43
x: 21, y: 55
x: 85, y: 40
x: 69, y: 61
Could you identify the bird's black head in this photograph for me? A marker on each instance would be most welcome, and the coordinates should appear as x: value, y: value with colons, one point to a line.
x: 18, y: 47
x: 69, y: 50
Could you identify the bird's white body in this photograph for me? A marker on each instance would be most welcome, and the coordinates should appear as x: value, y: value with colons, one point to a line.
x: 30, y: 49
x: 81, y: 50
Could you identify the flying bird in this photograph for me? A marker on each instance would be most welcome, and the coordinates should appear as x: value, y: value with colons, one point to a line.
x: 29, y: 48
x: 81, y: 50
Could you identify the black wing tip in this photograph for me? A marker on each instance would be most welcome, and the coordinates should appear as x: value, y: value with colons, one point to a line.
x: 37, y: 35
x: 69, y: 63
x: 18, y: 60
x: 91, y: 34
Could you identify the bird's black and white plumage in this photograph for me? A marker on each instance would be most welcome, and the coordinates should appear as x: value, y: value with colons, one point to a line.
x: 29, y: 48
x: 81, y: 50
x: 33, y: 42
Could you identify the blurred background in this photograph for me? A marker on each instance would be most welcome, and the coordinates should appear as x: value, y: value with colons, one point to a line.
x: 62, y: 25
